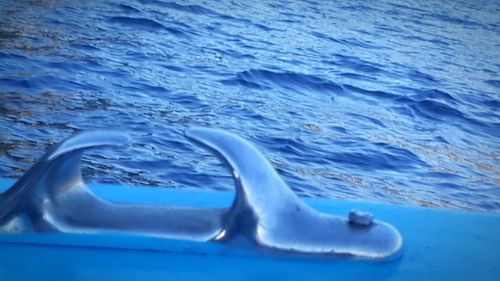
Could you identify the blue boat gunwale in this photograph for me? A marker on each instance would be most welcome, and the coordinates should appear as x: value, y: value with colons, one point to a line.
x: 438, y: 242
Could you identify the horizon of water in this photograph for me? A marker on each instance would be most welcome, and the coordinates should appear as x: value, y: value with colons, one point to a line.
x: 383, y: 101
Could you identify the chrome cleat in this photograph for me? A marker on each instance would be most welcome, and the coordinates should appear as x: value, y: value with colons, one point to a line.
x: 52, y: 197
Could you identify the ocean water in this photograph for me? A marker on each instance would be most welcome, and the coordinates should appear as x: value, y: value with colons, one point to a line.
x: 386, y: 101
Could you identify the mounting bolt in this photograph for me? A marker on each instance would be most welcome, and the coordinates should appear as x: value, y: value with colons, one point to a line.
x: 360, y: 217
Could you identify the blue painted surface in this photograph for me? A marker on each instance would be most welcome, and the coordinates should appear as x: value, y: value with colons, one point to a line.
x: 439, y: 245
x: 383, y: 101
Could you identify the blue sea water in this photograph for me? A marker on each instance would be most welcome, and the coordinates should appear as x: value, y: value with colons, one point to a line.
x: 385, y: 101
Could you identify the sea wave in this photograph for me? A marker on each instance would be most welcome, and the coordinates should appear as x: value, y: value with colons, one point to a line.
x: 380, y: 101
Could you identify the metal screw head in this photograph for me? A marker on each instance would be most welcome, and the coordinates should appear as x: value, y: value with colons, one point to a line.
x: 360, y: 218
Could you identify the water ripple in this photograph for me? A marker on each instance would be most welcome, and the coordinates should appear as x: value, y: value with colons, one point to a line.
x: 144, y: 24
x: 287, y: 80
x: 381, y: 101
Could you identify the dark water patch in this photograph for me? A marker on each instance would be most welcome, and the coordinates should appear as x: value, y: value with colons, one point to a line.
x: 489, y: 129
x: 188, y: 101
x: 433, y: 94
x: 377, y: 160
x: 402, y: 154
x: 355, y: 42
x: 370, y: 93
x: 338, y: 129
x: 173, y: 67
x: 263, y: 27
x: 439, y: 42
x: 357, y: 77
x: 451, y: 186
x: 489, y: 71
x: 441, y: 176
x: 326, y: 37
x: 369, y: 119
x: 144, y: 24
x: 492, y: 104
x: 150, y: 89
x: 393, y: 13
x: 363, y: 32
x: 279, y: 6
x: 421, y: 39
x: 84, y: 47
x: 128, y: 8
x: 193, y: 179
x: 454, y: 20
x: 243, y: 112
x: 385, y: 28
x: 440, y: 139
x: 247, y: 23
x: 436, y: 110
x: 243, y: 82
x: 91, y: 63
x: 354, y: 63
x: 7, y: 34
x: 495, y: 27
x: 294, y: 149
x: 72, y: 66
x: 493, y: 83
x: 37, y: 84
x: 288, y: 21
x: 421, y: 22
x: 288, y: 80
x: 192, y: 9
x: 292, y: 15
x: 420, y: 76
x: 406, y: 7
x: 34, y: 106
x: 137, y: 55
x: 137, y: 22
x: 358, y: 8
x: 5, y: 55
x: 234, y: 53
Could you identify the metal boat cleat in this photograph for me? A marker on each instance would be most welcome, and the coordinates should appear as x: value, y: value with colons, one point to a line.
x: 52, y: 197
